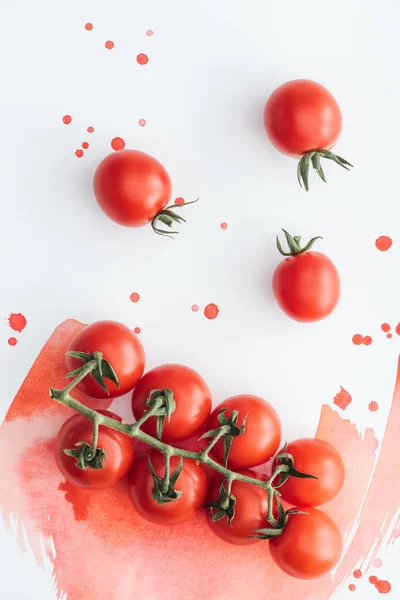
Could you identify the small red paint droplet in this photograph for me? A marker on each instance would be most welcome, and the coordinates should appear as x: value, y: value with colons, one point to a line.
x: 357, y: 574
x: 352, y: 587
x: 142, y: 122
x: 367, y: 341
x: 385, y: 327
x: 109, y: 45
x: 85, y: 145
x: 195, y: 307
x: 389, y: 335
x: 67, y: 119
x: 179, y: 200
x: 79, y: 153
x: 88, y: 26
x: 117, y: 143
x: 373, y: 406
x: 135, y: 297
x: 17, y: 321
x: 377, y: 562
x: 142, y: 59
x: 383, y: 586
x: 398, y: 329
x: 90, y: 129
x: 211, y: 311
x: 137, y: 330
x: 149, y: 32
x: 383, y: 243
x: 357, y: 339
x: 342, y: 399
x: 372, y: 579
x: 12, y: 341
x: 224, y: 225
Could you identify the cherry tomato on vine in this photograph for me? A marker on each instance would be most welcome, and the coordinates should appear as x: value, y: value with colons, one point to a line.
x: 120, y: 346
x: 191, y: 395
x: 251, y: 508
x: 310, y: 545
x: 118, y: 448
x: 192, y: 483
x: 317, y: 458
x: 302, y: 118
x: 306, y: 285
x: 261, y: 437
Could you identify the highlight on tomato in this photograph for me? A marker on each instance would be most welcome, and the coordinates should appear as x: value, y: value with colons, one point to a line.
x: 303, y: 119
x: 122, y: 355
x: 309, y: 546
x: 186, y: 402
x: 133, y: 189
x: 306, y: 284
x: 255, y: 440
x: 167, y: 499
x: 81, y: 466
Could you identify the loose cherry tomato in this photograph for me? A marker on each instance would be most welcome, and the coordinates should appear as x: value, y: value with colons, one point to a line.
x: 192, y: 398
x: 118, y: 448
x: 261, y: 437
x: 306, y: 285
x: 120, y: 346
x: 192, y: 483
x: 310, y: 545
x: 250, y: 511
x: 317, y: 458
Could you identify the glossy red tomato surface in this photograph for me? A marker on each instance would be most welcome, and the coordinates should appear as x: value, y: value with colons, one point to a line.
x: 309, y: 547
x: 307, y: 286
x: 250, y: 511
x: 317, y: 458
x: 191, y: 394
x: 131, y: 187
x: 300, y: 116
x: 192, y: 482
x: 117, y: 446
x: 120, y: 346
x: 262, y: 435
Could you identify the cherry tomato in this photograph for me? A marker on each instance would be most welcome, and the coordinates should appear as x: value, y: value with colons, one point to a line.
x: 192, y: 482
x: 250, y: 511
x: 301, y: 116
x: 118, y: 448
x: 317, y: 458
x: 120, y: 347
x: 306, y: 285
x: 261, y: 437
x: 131, y: 187
x: 310, y: 545
x: 191, y: 394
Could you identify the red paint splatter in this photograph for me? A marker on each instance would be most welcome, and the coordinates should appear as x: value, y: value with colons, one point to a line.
x: 137, y: 330
x: 357, y: 574
x: 85, y: 145
x: 385, y: 327
x: 79, y: 153
x: 142, y: 122
x: 357, y: 339
x: 12, y: 341
x: 377, y: 562
x: 88, y: 26
x: 398, y: 329
x: 149, y: 32
x: 389, y: 336
x: 135, y: 297
x: 224, y: 225
x: 211, y: 311
x: 372, y: 579
x: 383, y: 243
x: 17, y: 321
x: 117, y: 143
x: 342, y: 399
x: 142, y: 59
x: 367, y: 341
x: 373, y: 406
x: 383, y: 586
x: 195, y: 307
x: 90, y: 129
x: 109, y: 45
x: 352, y: 587
x: 179, y: 200
x: 67, y: 119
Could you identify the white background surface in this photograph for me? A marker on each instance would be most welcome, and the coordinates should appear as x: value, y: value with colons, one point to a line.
x: 212, y: 65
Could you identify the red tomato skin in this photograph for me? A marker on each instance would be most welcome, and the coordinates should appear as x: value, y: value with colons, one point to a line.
x: 309, y: 547
x: 120, y: 346
x: 192, y: 397
x: 192, y: 482
x: 250, y: 511
x: 300, y: 116
x: 318, y: 458
x: 307, y: 286
x: 262, y: 435
x: 131, y: 187
x: 118, y: 447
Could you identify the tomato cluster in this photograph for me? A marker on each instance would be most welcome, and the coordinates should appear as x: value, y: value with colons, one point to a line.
x: 169, y: 485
